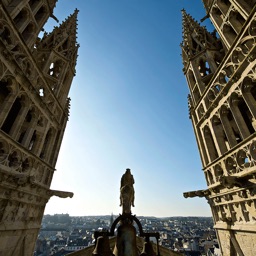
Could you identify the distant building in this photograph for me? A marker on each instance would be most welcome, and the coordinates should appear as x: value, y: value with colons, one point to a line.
x: 76, y: 244
x: 220, y: 69
x: 35, y: 78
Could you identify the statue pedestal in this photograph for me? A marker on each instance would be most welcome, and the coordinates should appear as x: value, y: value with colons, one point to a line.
x: 126, y: 241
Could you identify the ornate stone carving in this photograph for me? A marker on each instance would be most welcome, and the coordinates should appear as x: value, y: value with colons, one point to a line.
x: 229, y: 142
x: 230, y: 181
x: 26, y: 96
x: 199, y: 193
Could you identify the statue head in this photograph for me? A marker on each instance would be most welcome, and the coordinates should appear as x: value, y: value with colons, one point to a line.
x: 128, y: 171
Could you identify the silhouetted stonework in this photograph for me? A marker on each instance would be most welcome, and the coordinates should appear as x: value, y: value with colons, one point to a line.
x: 221, y: 75
x: 35, y: 78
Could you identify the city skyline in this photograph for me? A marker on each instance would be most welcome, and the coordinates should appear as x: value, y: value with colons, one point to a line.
x: 129, y: 110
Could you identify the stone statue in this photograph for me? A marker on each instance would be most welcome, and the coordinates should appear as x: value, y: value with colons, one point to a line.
x: 126, y: 239
x: 127, y: 191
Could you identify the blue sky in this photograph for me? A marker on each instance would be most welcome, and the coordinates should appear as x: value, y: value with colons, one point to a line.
x: 129, y: 110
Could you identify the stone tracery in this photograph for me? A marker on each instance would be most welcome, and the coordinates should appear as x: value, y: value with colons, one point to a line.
x: 223, y: 114
x: 34, y: 111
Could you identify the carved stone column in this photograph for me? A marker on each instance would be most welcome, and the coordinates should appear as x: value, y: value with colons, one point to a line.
x: 238, y: 117
x: 227, y: 127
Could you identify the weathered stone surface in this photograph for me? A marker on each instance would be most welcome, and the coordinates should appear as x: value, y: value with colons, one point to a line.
x: 35, y: 77
x: 222, y: 106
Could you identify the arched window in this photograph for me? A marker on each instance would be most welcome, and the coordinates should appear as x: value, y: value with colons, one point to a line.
x: 242, y: 115
x: 224, y: 5
x: 41, y: 15
x: 218, y: 172
x: 209, y: 177
x: 204, y: 68
x: 236, y: 20
x: 4, y: 150
x: 210, y: 145
x: 229, y: 126
x: 32, y: 141
x: 21, y: 18
x: 29, y: 32
x: 4, y: 92
x: 64, y: 46
x: 12, y: 115
x: 46, y: 145
x: 249, y: 94
x: 5, y: 35
x: 33, y: 4
x: 200, y: 111
x: 218, y: 57
x: 247, y: 116
x: 24, y: 127
x: 220, y: 135
x: 56, y: 68
x: 229, y: 33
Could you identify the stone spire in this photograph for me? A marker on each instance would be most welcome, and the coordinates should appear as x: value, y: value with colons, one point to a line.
x: 63, y: 39
x: 196, y: 38
x: 56, y: 55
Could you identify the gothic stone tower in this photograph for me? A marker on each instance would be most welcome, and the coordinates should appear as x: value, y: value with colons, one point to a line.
x: 35, y: 78
x: 221, y: 75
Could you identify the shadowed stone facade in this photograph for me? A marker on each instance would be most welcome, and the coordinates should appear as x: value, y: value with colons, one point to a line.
x: 35, y: 78
x: 221, y: 75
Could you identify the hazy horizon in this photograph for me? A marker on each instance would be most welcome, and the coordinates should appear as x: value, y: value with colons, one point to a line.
x: 106, y: 215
